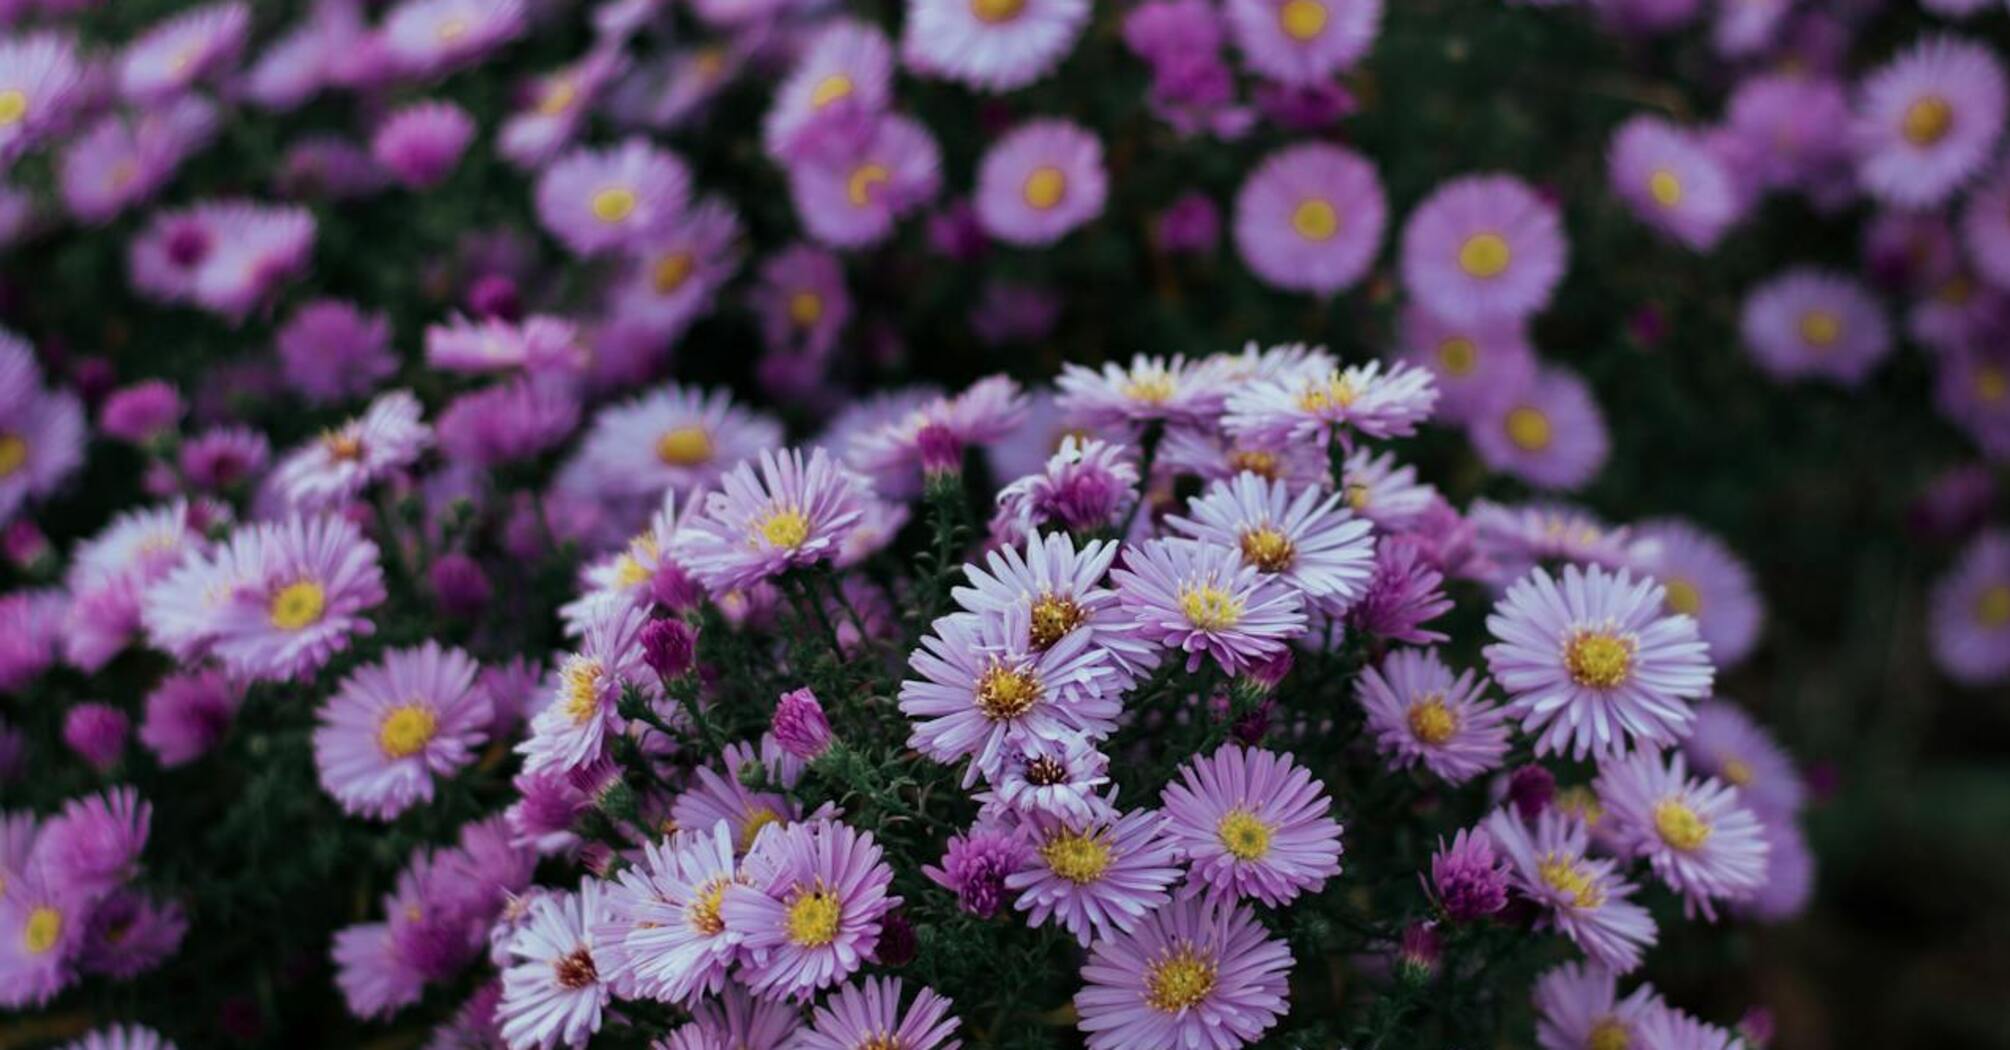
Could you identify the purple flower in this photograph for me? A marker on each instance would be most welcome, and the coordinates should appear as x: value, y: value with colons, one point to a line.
x: 850, y: 197
x: 1550, y: 434
x: 1308, y: 540
x: 802, y: 302
x: 1039, y: 182
x: 140, y: 412
x: 1672, y: 182
x: 508, y: 422
x: 665, y: 936
x: 1420, y: 714
x: 1205, y: 600
x: 1582, y: 897
x: 1467, y: 880
x: 187, y: 713
x: 975, y: 866
x: 1704, y: 579
x: 990, y: 45
x: 1253, y: 824
x: 420, y: 144
x: 394, y: 726
x: 599, y: 200
x: 1308, y: 402
x: 1928, y: 120
x: 181, y: 50
x: 1311, y: 217
x: 1696, y: 834
x: 1969, y: 625
x: 42, y: 82
x: 307, y: 586
x: 128, y: 935
x: 340, y: 464
x: 799, y: 725
x: 1195, y: 974
x: 1148, y: 389
x: 425, y: 37
x: 1483, y: 248
x: 1191, y: 225
x: 97, y: 733
x: 1406, y: 592
x: 789, y: 515
x: 1096, y: 878
x: 94, y: 844
x: 809, y: 908
x: 1809, y: 322
x: 869, y: 1013
x: 552, y: 988
x: 224, y: 457
x: 1577, y: 1006
x: 835, y: 93
x: 329, y: 350
x: 1303, y: 41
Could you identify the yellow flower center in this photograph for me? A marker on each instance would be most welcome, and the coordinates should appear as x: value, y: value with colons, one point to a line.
x: 1820, y: 329
x: 830, y: 89
x: 1243, y: 835
x: 1665, y: 188
x: 613, y: 204
x: 1608, y: 1034
x: 1927, y: 120
x: 629, y: 572
x: 344, y: 446
x: 1315, y: 220
x: 558, y: 97
x: 1268, y: 549
x: 1679, y: 825
x: 582, y: 677
x: 298, y: 605
x: 1325, y: 395
x: 813, y: 918
x: 785, y: 528
x: 996, y: 11
x: 1992, y: 384
x: 1738, y: 772
x: 1179, y: 980
x: 703, y: 911
x: 760, y: 818
x: 1262, y: 464
x: 1458, y: 355
x: 13, y: 107
x: 864, y: 178
x: 1569, y: 876
x: 1528, y: 428
x: 1993, y: 608
x: 1052, y: 618
x: 43, y: 928
x: 1579, y: 801
x: 1431, y: 722
x: 1079, y: 857
x: 13, y: 454
x: 684, y: 446
x: 1485, y: 255
x: 1004, y: 693
x: 1683, y: 597
x: 1045, y: 186
x: 806, y: 308
x: 451, y: 30
x: 1209, y: 607
x: 1152, y: 388
x: 1301, y: 19
x: 671, y: 271
x: 1598, y: 659
x: 406, y: 730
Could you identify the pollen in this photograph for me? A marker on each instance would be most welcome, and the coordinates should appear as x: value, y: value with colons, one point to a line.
x: 1608, y: 1034
x: 42, y: 930
x: 1046, y: 771
x: 298, y: 605
x: 1581, y: 802
x: 1927, y: 120
x: 1598, y: 659
x: 558, y: 97
x: 1315, y: 220
x: 1244, y: 835
x: 1568, y: 876
x: 1053, y: 616
x: 671, y: 271
x: 1268, y: 549
x: 1528, y: 428
x: 858, y: 189
x: 806, y: 308
x: 406, y: 730
x: 1152, y: 388
x: 1485, y: 255
x: 629, y: 572
x: 830, y: 89
x: 1079, y: 857
x: 13, y: 107
x: 1993, y: 608
x: 1683, y: 597
x: 1302, y: 20
x: 1680, y: 825
x: 703, y: 911
x: 1045, y: 187
x: 1458, y: 356
x: 1004, y: 693
x: 576, y: 970
x: 1325, y: 395
x: 996, y: 11
x: 13, y: 454
x: 684, y: 447
x: 1431, y: 722
x: 1820, y: 329
x: 581, y: 688
x: 613, y: 204
x: 813, y: 918
x: 1179, y: 980
x: 1665, y: 188
x: 785, y: 528
x: 1254, y: 461
x: 451, y: 30
x: 1209, y: 607
x: 343, y: 446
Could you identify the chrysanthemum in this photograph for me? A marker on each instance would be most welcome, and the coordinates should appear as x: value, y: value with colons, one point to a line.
x: 337, y: 466
x: 1696, y: 834
x: 1583, y: 897
x: 41, y: 929
x: 330, y: 350
x: 1928, y: 120
x: 1059, y: 587
x: 1309, y: 541
x: 181, y: 50
x: 1550, y: 433
x: 1310, y: 218
x: 307, y: 585
x: 1594, y: 663
x: 1303, y: 41
x: 421, y: 143
x: 1671, y: 181
x: 1483, y: 248
x: 867, y: 1015
x: 1307, y: 404
x: 835, y: 93
x: 990, y: 45
x: 1148, y: 389
x: 675, y: 438
x: 552, y: 990
x: 394, y: 726
x: 1729, y: 745
x: 664, y: 935
x: 1704, y: 579
x: 1812, y: 322
x: 810, y: 907
x: 1040, y: 181
x: 425, y: 37
x: 1196, y: 975
x: 1206, y: 600
x: 673, y: 278
x: 1253, y: 824
x: 41, y: 84
x: 1419, y: 713
x: 571, y: 731
x: 1475, y: 364
x: 122, y: 1037
x: 1577, y: 1007
x: 850, y: 197
x: 788, y: 516
x: 598, y: 200
x: 1097, y: 878
x: 1970, y: 616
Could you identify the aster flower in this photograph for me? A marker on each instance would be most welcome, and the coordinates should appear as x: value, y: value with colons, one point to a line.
x: 186, y: 714
x: 598, y: 200
x: 1704, y: 579
x: 1483, y: 248
x: 672, y: 280
x: 337, y: 466
x: 1969, y: 624
x: 1308, y: 541
x: 990, y: 45
x: 394, y: 726
x: 1212, y: 456
x: 976, y: 864
x: 1729, y: 745
x: 934, y: 430
x: 119, y: 162
x: 1196, y: 975
x: 1582, y: 897
x: 508, y: 422
x: 1149, y: 389
x: 537, y: 344
x: 1467, y: 879
x: 421, y: 143
x: 552, y: 991
x: 799, y: 725
x: 676, y: 439
x: 802, y: 302
x: 1793, y: 127
x: 1593, y: 664
x: 1672, y: 182
x: 42, y: 83
x: 810, y: 907
x: 1205, y: 600
x: 41, y: 929
x: 248, y: 251
x: 1550, y: 434
x: 1790, y: 874
x: 1577, y: 1006
x: 571, y: 731
x: 94, y: 844
x: 1810, y: 322
x: 1928, y: 120
x: 129, y: 935
x: 1420, y: 714
x: 791, y: 515
x: 1474, y: 364
x: 663, y: 931
x: 1697, y: 835
x: 427, y: 37
x: 224, y: 457
x: 1308, y: 403
x: 739, y: 1021
x: 834, y: 94
x: 1310, y: 218
x: 1515, y: 538
x: 851, y: 197
x: 1405, y: 592
x: 308, y: 583
x: 1385, y: 492
x: 1253, y: 824
x: 1097, y: 878
x: 31, y: 624
x: 719, y: 796
x: 1663, y: 1026
x: 1303, y: 41
x: 1040, y: 181
x: 181, y: 50
x: 1064, y: 777
x: 867, y: 1014
x: 330, y: 350
x: 96, y: 733
x: 41, y: 445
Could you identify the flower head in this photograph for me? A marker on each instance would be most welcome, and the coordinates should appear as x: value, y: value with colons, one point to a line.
x: 1040, y: 181
x: 1928, y: 120
x: 1696, y: 834
x: 1095, y: 878
x: 1578, y: 1006
x: 1309, y: 541
x: 990, y: 45
x: 302, y: 589
x: 393, y: 726
x: 1550, y: 434
x: 810, y: 907
x: 552, y: 989
x: 1420, y: 714
x: 1253, y: 824
x: 1207, y: 600
x: 599, y: 200
x: 791, y: 514
x: 1468, y: 880
x: 868, y: 1014
x: 1483, y: 248
x: 1970, y: 615
x: 1583, y: 897
x: 1303, y: 41
x: 1808, y: 322
x: 1196, y: 974
x: 1310, y: 218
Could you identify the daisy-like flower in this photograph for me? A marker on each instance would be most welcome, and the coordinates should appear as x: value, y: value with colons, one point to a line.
x: 1483, y: 248
x: 225, y: 256
x: 1309, y: 541
x: 1059, y: 587
x: 1310, y: 218
x: 42, y: 925
x: 120, y: 162
x: 41, y: 445
x: 540, y: 343
x: 1792, y: 127
x: 835, y: 93
x: 1040, y: 181
x: 1213, y: 456
x: 1196, y: 975
x: 426, y: 37
x: 598, y: 200
x: 182, y: 50
x: 1728, y: 745
x: 788, y: 516
x: 1149, y: 389
x: 1385, y: 492
x: 1095, y: 878
x: 1696, y: 834
x: 122, y: 1037
x: 1811, y: 322
x: 1303, y: 41
x: 41, y: 84
x: 1985, y: 230
x: 672, y: 280
x: 552, y: 989
x: 223, y: 458
x: 572, y: 730
x: 94, y: 844
x: 1790, y: 874
x: 186, y: 714
x: 1475, y: 364
x: 1704, y: 579
x: 306, y: 585
x: 810, y: 907
x: 337, y: 466
x: 802, y: 301
x: 676, y: 439
x: 1671, y: 181
x: 394, y: 726
x: 867, y: 1016
x: 1582, y: 896
x: 1663, y: 1027
x: 1516, y: 538
x: 1593, y: 663
x: 330, y: 350
x: 1421, y: 714
x: 665, y: 934
x: 1577, y: 1006
x: 1970, y: 615
x: 987, y: 684
x: 1305, y: 405
x: 1253, y: 824
x: 1928, y: 120
x: 421, y: 143
x: 1205, y: 600
x: 1065, y: 778
x: 990, y: 45
x: 718, y: 796
x: 1550, y: 433
x: 851, y: 197
x: 917, y: 428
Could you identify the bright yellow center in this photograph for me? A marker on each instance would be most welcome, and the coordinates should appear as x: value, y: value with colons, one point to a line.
x: 1243, y: 835
x: 1209, y: 607
x: 1359, y: 497
x: 830, y: 89
x: 1268, y: 549
x: 1665, y: 188
x: 13, y: 454
x: 1683, y: 597
x: 1315, y: 220
x: 1598, y: 659
x: 1325, y: 395
x: 582, y: 689
x: 813, y: 918
x: 1679, y: 825
x: 406, y: 730
x: 1579, y: 801
x: 864, y: 178
x: 1738, y: 772
x: 806, y: 308
x: 1045, y: 186
x: 1927, y: 120
x: 786, y: 529
x: 1052, y: 618
x: 13, y: 107
x: 1431, y: 722
x: 1485, y: 255
x: 1178, y: 980
x: 1458, y: 355
x: 630, y: 572
x: 1004, y: 693
x: 1820, y: 329
x: 996, y: 11
x: 671, y: 271
x: 1301, y: 19
x: 703, y: 911
x: 1262, y: 464
x: 1528, y: 428
x: 1569, y: 876
x: 613, y: 204
x: 684, y: 446
x: 1079, y: 857
x: 1992, y: 384
x: 1151, y: 388
x: 1993, y: 608
x: 1608, y: 1034
x: 760, y: 818
x: 882, y: 1041
x: 298, y: 605
x: 558, y: 97
x: 43, y: 928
